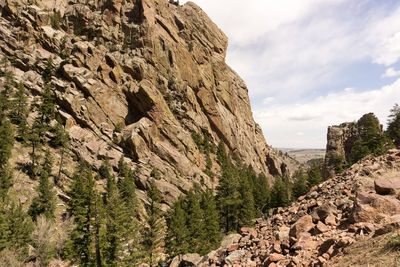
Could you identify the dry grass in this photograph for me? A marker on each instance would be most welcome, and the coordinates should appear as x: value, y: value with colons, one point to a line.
x: 375, y: 252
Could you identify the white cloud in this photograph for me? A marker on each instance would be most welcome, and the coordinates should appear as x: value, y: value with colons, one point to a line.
x: 391, y: 72
x: 313, y: 117
x: 296, y: 51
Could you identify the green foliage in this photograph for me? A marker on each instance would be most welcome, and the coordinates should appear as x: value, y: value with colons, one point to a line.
x: 393, y: 242
x: 393, y: 130
x: 178, y: 235
x: 55, y: 20
x: 15, y: 227
x: 6, y: 141
x: 153, y: 231
x: 193, y: 224
x: 20, y: 112
x: 6, y: 145
x: 280, y: 193
x: 121, y: 225
x: 315, y: 173
x: 300, y: 185
x: 81, y: 207
x: 371, y: 139
x: 45, y: 202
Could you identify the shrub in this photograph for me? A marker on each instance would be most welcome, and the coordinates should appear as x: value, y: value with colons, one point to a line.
x: 393, y: 242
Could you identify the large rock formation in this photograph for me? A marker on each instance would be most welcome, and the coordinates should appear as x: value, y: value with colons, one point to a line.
x: 340, y: 139
x: 137, y: 79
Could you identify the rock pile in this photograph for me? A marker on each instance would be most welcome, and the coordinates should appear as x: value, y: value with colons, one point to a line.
x: 358, y: 204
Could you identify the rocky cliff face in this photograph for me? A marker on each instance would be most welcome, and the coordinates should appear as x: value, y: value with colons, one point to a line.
x: 137, y: 79
x: 340, y: 139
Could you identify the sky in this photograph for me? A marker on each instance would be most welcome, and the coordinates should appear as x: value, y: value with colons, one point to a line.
x: 309, y: 64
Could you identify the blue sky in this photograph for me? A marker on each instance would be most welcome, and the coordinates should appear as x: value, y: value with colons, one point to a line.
x: 309, y: 64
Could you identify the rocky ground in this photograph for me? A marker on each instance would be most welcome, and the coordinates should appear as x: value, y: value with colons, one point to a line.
x: 359, y: 204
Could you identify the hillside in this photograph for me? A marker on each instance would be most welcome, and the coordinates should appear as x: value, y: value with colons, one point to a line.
x: 357, y: 207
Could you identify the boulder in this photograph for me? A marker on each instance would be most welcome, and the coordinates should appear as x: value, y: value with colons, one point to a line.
x: 387, y: 186
x: 230, y: 239
x: 186, y: 260
x: 303, y: 225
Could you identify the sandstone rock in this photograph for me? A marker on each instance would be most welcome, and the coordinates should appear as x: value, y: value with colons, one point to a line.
x: 321, y: 228
x: 303, y: 225
x: 331, y: 220
x: 387, y: 186
x: 275, y: 257
x: 230, y: 239
x: 189, y: 260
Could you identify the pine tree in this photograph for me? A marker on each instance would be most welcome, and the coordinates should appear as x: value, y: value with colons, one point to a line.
x: 20, y: 227
x: 228, y: 197
x: 19, y: 112
x: 81, y: 206
x: 393, y: 129
x: 212, y: 230
x: 195, y: 221
x: 6, y: 145
x: 261, y: 192
x: 315, y: 173
x: 121, y: 228
x: 61, y: 140
x: 247, y: 207
x: 279, y: 194
x: 45, y: 202
x: 153, y: 232
x: 6, y: 141
x: 178, y: 235
x: 300, y: 185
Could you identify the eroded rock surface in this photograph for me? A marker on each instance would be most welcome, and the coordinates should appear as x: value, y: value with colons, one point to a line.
x: 137, y: 79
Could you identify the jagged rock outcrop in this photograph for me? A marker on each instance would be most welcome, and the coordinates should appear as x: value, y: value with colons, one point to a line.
x: 318, y: 226
x: 137, y: 79
x: 340, y: 139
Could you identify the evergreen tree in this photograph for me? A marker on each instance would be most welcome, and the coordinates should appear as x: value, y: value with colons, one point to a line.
x: 247, y: 208
x: 61, y: 140
x: 81, y: 206
x: 20, y: 112
x: 279, y: 194
x: 229, y: 198
x: 300, y: 185
x: 6, y: 141
x: 19, y: 227
x: 178, y: 235
x: 370, y: 139
x: 195, y: 221
x: 315, y: 173
x: 393, y: 129
x: 121, y: 228
x: 45, y: 202
x: 153, y: 232
x: 211, y: 220
x: 6, y: 145
x: 261, y: 192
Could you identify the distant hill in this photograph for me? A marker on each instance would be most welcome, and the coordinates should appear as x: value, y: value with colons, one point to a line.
x: 304, y: 155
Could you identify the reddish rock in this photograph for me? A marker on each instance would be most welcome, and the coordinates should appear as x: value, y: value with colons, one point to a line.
x: 331, y: 220
x: 303, y: 225
x: 275, y: 257
x: 305, y: 242
x: 371, y: 207
x: 321, y: 228
x: 387, y: 186
x: 232, y: 247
